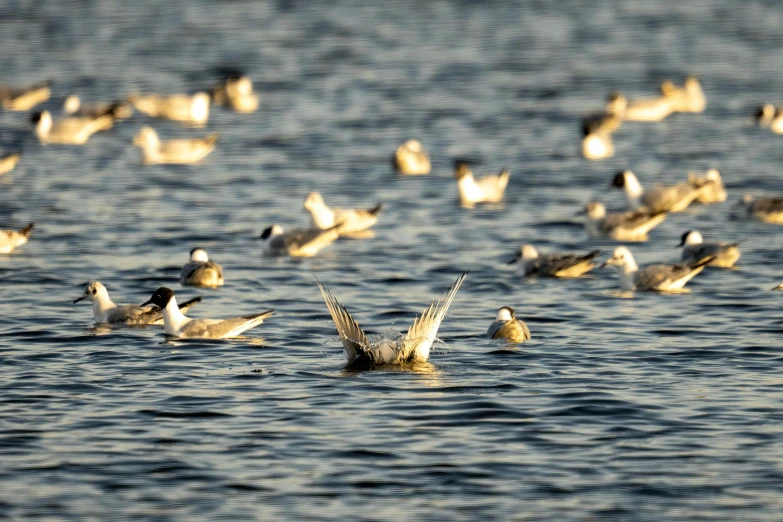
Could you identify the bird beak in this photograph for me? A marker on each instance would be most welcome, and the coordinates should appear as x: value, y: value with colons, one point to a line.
x: 608, y: 262
x: 146, y: 302
x: 79, y: 299
x: 582, y: 212
x: 512, y: 261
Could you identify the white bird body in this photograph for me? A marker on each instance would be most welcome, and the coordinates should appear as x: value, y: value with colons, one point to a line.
x: 178, y: 107
x: 106, y: 312
x: 69, y: 131
x: 620, y: 226
x: 10, y: 239
x: 238, y: 94
x: 412, y: 347
x: 299, y: 242
x: 176, y: 324
x: 410, y: 158
x: 179, y: 151
x: 507, y: 326
x: 647, y: 109
x: 489, y: 189
x: 597, y: 146
x: 200, y: 271
x: 353, y: 222
x: 658, y: 278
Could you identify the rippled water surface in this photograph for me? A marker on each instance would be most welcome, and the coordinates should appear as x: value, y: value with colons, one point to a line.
x: 655, y: 407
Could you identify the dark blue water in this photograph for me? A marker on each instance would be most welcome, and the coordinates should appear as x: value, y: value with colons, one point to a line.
x: 657, y: 407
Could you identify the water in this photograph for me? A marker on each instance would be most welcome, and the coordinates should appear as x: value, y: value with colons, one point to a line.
x: 659, y: 407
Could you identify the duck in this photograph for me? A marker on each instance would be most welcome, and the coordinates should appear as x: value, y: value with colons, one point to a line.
x: 303, y: 242
x: 176, y: 324
x: 409, y: 348
x: 237, y: 93
x: 411, y: 159
x: 649, y: 109
x: 507, y: 326
x: 106, y: 312
x: 355, y: 222
x: 24, y: 98
x: 768, y: 210
x: 656, y: 278
x: 531, y: 263
x: 694, y: 249
x: 620, y: 226
x: 178, y: 151
x: 8, y: 163
x: 10, y: 239
x: 672, y: 198
x: 201, y: 271
x: 73, y: 106
x: 184, y: 108
x: 489, y: 189
x: 69, y: 131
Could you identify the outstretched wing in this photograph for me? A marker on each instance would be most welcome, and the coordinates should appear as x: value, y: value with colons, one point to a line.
x: 353, y: 338
x: 422, y: 333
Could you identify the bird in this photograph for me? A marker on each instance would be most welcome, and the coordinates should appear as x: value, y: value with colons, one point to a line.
x: 200, y: 271
x: 10, y: 239
x: 671, y: 198
x: 648, y: 109
x: 178, y: 107
x: 779, y: 287
x: 507, y: 326
x: 621, y: 226
x: 73, y: 106
x: 24, y: 98
x: 411, y: 347
x: 489, y: 189
x: 769, y: 116
x: 553, y: 265
x: 106, y: 312
x: 411, y: 159
x: 355, y: 222
x: 694, y: 249
x: 768, y: 210
x: 689, y: 98
x: 69, y: 131
x: 237, y: 93
x: 713, y: 190
x: 597, y: 133
x: 179, y: 151
x: 176, y: 324
x: 303, y: 242
x: 658, y: 278
x: 8, y: 163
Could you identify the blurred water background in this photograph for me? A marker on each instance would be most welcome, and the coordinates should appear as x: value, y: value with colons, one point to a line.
x: 658, y: 407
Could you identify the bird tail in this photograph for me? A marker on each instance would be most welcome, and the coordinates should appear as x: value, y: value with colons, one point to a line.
x: 26, y: 231
x: 184, y: 307
x: 375, y: 210
x: 212, y: 138
x: 258, y: 318
x: 503, y: 178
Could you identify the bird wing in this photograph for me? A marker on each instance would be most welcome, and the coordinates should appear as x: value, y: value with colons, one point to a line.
x: 222, y: 328
x: 134, y: 315
x: 354, y: 340
x: 422, y: 332
x: 194, y: 269
x: 768, y: 205
x: 666, y: 197
x: 562, y: 262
